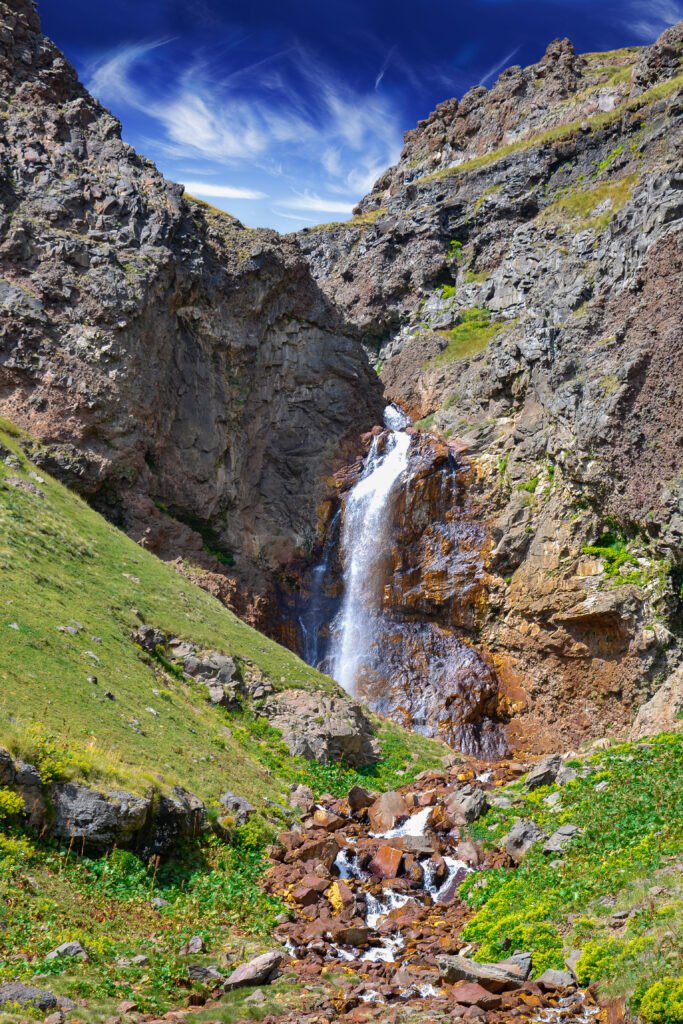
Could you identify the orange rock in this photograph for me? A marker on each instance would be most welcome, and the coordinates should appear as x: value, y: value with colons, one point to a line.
x: 387, y: 862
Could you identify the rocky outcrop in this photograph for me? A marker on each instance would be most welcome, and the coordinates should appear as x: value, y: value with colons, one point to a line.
x: 519, y: 275
x: 322, y: 727
x: 103, y: 817
x: 184, y: 373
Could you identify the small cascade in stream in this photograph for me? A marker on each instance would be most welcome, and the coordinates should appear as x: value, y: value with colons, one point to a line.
x: 366, y: 519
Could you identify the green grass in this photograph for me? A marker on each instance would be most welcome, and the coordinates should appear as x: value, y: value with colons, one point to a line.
x: 578, y: 206
x: 426, y: 422
x: 631, y: 838
x: 468, y: 338
x: 63, y: 565
x: 360, y: 220
x: 51, y: 894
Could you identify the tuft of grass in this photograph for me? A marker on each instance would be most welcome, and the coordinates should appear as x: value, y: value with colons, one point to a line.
x: 580, y: 206
x: 426, y: 422
x: 468, y: 338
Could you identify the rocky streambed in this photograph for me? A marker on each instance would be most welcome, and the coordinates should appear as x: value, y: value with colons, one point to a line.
x: 372, y: 886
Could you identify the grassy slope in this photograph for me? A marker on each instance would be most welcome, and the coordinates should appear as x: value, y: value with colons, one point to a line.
x: 630, y: 811
x: 60, y: 564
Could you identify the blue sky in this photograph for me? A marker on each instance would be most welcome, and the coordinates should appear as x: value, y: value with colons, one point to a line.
x: 285, y: 111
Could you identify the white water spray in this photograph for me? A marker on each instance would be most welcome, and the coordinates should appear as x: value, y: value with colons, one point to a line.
x: 362, y: 547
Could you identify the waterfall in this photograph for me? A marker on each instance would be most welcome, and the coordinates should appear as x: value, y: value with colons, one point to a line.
x: 367, y: 519
x: 314, y: 616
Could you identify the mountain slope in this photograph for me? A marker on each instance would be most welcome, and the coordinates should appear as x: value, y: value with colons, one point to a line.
x: 74, y: 589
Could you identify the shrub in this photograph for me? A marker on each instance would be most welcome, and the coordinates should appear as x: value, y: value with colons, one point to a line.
x: 11, y: 804
x: 663, y: 1002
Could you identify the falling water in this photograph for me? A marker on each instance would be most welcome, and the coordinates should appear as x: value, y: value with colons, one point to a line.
x: 314, y: 615
x: 366, y: 518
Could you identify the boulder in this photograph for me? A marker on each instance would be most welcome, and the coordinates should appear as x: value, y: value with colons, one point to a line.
x: 551, y: 980
x: 176, y: 816
x: 14, y: 992
x: 360, y: 799
x: 470, y: 993
x: 386, y: 811
x: 322, y: 818
x: 323, y: 727
x: 301, y: 797
x: 387, y: 862
x: 259, y: 971
x: 493, y: 977
x: 465, y: 805
x: 68, y: 949
x: 205, y: 974
x: 324, y: 850
x: 521, y: 837
x: 102, y: 819
x: 544, y: 773
x: 237, y: 807
x: 561, y: 839
x: 309, y: 889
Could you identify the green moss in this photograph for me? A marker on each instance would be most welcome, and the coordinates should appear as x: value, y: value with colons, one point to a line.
x: 447, y: 291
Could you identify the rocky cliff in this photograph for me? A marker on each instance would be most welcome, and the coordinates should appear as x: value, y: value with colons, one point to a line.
x: 517, y: 277
x: 185, y: 373
x: 516, y: 280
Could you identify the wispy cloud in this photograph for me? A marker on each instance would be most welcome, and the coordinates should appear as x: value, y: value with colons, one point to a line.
x: 205, y: 188
x: 287, y: 109
x: 504, y: 63
x: 316, y: 204
x: 647, y: 19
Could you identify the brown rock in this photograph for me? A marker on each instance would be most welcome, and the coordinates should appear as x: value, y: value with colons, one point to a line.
x: 360, y: 799
x: 328, y: 820
x: 470, y: 993
x: 386, y: 811
x: 387, y: 862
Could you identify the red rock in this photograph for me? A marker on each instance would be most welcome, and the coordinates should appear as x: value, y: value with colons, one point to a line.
x: 387, y: 862
x: 469, y: 993
x: 386, y: 811
x: 309, y: 889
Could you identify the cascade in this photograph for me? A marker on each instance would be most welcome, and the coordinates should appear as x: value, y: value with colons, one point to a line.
x: 367, y: 521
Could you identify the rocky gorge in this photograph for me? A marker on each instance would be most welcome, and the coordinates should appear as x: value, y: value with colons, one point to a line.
x: 341, y: 572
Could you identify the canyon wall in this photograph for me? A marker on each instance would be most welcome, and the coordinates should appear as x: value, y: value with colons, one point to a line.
x: 184, y: 373
x: 517, y: 278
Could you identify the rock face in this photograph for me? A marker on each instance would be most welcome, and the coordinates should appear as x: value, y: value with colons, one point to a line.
x: 184, y: 373
x: 519, y: 277
x: 664, y: 712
